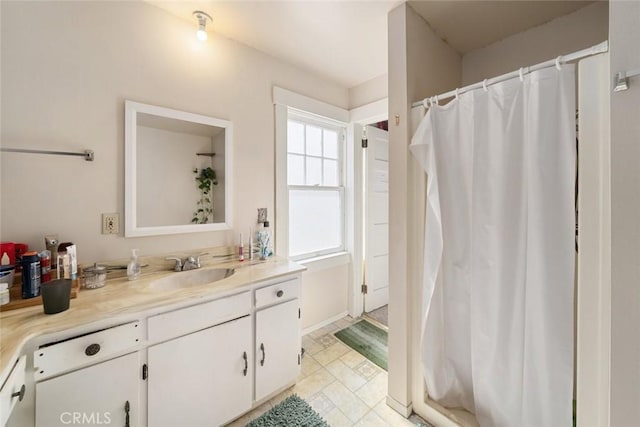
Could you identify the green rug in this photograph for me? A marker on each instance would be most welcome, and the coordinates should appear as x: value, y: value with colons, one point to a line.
x: 293, y: 411
x: 368, y: 340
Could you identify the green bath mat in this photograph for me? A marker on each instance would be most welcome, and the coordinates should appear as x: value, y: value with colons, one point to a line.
x: 368, y: 340
x: 293, y: 412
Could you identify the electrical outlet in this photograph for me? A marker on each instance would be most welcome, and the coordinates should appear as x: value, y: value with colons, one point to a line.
x: 262, y: 215
x: 110, y: 223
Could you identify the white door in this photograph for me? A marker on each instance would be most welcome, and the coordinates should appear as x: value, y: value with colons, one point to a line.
x: 376, y: 274
x: 278, y: 345
x: 201, y: 379
x: 101, y: 394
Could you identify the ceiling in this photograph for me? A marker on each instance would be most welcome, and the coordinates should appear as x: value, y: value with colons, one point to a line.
x: 346, y: 40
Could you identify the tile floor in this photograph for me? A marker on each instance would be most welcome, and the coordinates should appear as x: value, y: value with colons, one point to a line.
x: 343, y: 386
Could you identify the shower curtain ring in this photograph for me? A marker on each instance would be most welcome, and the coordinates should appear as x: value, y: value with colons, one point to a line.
x: 457, y: 93
x: 425, y: 103
x: 558, y: 63
x: 484, y: 85
x: 437, y: 100
x: 521, y: 72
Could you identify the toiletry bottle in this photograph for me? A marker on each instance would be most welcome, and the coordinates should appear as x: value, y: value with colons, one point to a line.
x: 45, y: 266
x: 4, y: 293
x: 241, y: 249
x: 30, y: 275
x: 133, y: 268
x: 63, y: 262
x: 250, y: 243
x: 51, y: 243
x: 264, y: 241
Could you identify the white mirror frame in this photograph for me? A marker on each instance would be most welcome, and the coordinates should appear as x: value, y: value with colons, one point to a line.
x: 131, y: 228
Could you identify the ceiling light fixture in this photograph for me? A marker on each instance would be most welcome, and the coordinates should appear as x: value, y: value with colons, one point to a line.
x: 202, y: 18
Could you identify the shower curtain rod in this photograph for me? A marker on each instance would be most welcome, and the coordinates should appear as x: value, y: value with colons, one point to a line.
x: 593, y: 50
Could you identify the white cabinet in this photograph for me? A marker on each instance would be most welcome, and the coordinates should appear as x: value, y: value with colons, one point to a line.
x: 201, y: 379
x: 105, y: 393
x: 278, y: 344
x: 13, y: 390
x: 194, y: 366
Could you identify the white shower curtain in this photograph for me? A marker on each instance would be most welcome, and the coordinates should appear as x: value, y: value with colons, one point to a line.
x: 499, y: 250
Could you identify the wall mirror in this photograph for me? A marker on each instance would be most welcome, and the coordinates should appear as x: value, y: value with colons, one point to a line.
x: 177, y: 171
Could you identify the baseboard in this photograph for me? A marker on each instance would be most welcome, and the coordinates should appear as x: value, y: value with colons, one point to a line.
x: 440, y: 416
x: 405, y: 411
x: 324, y: 323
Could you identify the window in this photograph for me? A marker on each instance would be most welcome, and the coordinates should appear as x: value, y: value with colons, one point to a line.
x: 315, y: 182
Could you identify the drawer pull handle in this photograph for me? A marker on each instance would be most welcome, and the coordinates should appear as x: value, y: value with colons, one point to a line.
x: 246, y: 364
x: 263, y: 354
x: 126, y: 414
x: 92, y: 349
x: 279, y: 294
x: 19, y: 394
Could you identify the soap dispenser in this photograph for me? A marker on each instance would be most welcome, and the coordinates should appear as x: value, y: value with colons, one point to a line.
x: 264, y: 241
x: 133, y: 268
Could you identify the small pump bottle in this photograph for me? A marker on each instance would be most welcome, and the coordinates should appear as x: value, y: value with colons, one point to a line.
x: 241, y: 249
x: 133, y: 268
x: 264, y: 241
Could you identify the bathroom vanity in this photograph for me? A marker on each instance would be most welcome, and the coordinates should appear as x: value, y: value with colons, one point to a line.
x: 130, y: 354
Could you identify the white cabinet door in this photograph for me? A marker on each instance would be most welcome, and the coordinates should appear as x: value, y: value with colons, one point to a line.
x: 99, y: 394
x: 278, y: 344
x: 201, y: 379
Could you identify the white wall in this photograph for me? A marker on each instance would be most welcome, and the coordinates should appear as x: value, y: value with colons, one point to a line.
x: 624, y: 38
x: 324, y: 295
x: 165, y: 161
x: 593, y: 298
x: 581, y: 29
x: 369, y: 91
x: 67, y: 68
x: 420, y: 64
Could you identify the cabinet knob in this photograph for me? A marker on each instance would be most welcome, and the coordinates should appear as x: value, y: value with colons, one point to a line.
x: 92, y: 349
x: 280, y: 293
x: 19, y: 394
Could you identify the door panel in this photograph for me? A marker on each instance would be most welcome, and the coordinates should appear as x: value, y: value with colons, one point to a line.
x: 278, y: 346
x: 92, y: 395
x: 377, y: 219
x: 199, y: 379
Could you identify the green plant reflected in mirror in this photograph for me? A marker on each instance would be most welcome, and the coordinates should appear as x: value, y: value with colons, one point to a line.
x: 177, y: 171
x: 206, y: 179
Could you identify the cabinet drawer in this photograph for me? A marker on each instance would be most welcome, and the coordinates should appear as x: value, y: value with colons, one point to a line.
x: 279, y: 292
x: 187, y: 320
x: 75, y: 352
x: 14, y: 384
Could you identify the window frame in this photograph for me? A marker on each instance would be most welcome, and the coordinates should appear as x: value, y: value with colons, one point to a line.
x: 340, y: 128
x: 284, y: 101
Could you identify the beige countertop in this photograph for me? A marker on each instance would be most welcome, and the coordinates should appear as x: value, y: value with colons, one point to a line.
x: 120, y: 298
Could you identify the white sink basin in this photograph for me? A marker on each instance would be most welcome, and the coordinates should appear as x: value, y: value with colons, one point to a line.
x: 186, y: 279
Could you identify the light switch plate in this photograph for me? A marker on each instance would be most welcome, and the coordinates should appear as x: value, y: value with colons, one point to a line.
x: 110, y: 223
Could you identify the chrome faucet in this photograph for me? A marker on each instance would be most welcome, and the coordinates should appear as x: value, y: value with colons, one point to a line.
x: 190, y: 263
